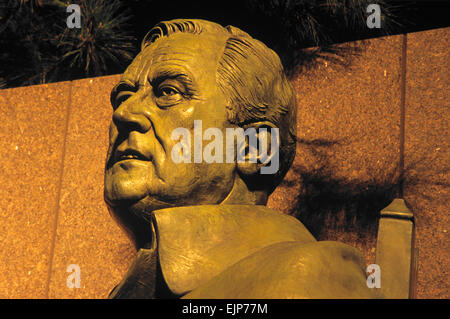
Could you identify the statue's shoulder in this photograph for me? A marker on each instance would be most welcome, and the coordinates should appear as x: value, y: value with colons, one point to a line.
x: 293, y: 270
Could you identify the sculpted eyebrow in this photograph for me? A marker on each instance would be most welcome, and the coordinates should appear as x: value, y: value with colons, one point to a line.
x: 124, y: 86
x: 120, y: 87
x: 173, y: 74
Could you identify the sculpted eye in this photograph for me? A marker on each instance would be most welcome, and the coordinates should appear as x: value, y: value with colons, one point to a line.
x: 168, y: 91
x: 171, y: 89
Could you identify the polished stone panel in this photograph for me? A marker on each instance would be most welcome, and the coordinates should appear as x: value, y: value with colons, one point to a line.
x: 86, y: 235
x: 427, y: 154
x: 32, y: 132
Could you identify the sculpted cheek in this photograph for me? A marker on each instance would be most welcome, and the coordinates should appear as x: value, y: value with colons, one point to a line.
x: 112, y: 139
x: 113, y: 132
x: 188, y: 112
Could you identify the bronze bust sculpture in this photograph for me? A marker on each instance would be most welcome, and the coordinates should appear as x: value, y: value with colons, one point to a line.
x: 201, y: 225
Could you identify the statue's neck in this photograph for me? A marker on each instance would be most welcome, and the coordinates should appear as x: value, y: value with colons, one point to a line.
x: 241, y: 195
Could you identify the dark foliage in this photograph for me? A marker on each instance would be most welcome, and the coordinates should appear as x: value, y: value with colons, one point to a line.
x: 37, y: 47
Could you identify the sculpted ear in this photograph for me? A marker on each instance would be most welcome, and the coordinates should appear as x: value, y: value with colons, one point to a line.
x: 259, y: 154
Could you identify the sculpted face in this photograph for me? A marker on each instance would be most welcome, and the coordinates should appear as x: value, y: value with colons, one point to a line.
x: 170, y: 84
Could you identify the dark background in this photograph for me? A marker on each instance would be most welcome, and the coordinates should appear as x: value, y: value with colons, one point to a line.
x: 37, y: 47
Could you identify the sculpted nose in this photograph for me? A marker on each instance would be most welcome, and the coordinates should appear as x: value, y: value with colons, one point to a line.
x: 130, y: 116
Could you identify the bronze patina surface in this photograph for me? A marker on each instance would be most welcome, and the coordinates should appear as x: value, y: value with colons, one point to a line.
x: 202, y: 228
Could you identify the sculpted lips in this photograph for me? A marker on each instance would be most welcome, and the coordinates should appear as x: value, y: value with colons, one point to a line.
x: 130, y: 154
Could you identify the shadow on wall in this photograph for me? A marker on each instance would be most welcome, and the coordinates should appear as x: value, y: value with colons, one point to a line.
x: 306, y: 59
x: 327, y: 206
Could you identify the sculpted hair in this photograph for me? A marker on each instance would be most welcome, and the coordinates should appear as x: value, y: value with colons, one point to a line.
x: 252, y: 77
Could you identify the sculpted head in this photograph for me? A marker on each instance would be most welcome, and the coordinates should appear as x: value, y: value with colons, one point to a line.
x: 190, y: 71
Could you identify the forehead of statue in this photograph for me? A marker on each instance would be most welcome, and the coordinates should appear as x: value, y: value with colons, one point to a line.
x: 197, y: 55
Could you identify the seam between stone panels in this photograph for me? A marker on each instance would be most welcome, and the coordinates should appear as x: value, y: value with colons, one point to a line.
x: 402, y: 113
x: 58, y: 196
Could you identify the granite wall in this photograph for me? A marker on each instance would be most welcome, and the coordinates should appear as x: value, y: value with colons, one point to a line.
x: 372, y: 125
